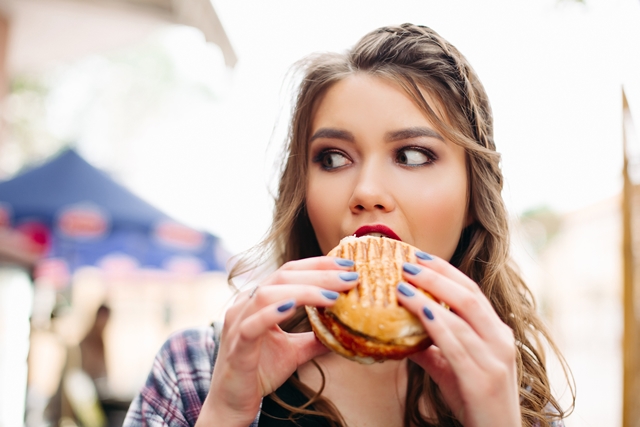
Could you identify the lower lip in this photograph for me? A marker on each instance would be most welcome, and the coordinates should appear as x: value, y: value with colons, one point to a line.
x: 385, y: 233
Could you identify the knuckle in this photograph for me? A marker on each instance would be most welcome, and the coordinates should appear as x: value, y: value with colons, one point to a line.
x: 289, y: 265
x: 495, y: 379
x: 470, y: 303
x: 260, y: 296
x: 508, y: 351
x: 230, y: 315
x: 512, y: 353
x: 460, y: 358
x: 433, y: 278
x: 508, y: 333
x: 508, y: 336
x: 502, y: 373
x: 278, y: 276
x: 457, y: 354
x: 430, y: 274
x: 244, y: 332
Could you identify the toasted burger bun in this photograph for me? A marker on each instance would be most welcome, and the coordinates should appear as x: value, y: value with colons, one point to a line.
x: 366, y: 324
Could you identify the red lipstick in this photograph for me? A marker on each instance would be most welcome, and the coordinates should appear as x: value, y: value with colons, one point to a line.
x: 377, y: 228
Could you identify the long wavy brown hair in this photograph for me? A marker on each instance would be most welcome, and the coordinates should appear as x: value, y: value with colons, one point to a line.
x: 418, y: 59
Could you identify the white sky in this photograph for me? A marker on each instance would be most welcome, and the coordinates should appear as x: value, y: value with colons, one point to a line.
x: 553, y: 72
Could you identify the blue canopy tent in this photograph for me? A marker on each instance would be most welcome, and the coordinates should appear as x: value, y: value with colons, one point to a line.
x: 77, y: 214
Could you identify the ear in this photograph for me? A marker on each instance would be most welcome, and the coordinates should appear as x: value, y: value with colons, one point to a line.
x: 470, y: 219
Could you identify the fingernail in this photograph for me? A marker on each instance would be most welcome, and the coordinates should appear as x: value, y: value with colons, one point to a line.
x: 427, y: 313
x: 330, y: 294
x: 411, y: 268
x: 349, y: 277
x: 286, y: 306
x: 344, y: 262
x: 405, y: 290
x: 424, y: 256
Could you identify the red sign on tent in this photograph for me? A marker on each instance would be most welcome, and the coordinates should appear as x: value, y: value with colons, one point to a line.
x: 83, y: 221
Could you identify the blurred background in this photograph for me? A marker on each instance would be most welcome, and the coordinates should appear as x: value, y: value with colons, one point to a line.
x: 139, y: 143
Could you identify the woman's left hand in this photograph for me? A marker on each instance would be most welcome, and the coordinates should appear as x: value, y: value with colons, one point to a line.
x: 473, y: 359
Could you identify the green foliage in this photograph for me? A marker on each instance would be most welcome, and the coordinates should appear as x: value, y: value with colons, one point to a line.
x: 541, y: 225
x: 26, y: 138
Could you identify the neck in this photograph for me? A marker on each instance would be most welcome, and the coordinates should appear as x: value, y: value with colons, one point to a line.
x: 360, y: 391
x: 340, y: 370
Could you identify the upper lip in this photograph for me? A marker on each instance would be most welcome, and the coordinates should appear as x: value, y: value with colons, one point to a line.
x: 377, y: 228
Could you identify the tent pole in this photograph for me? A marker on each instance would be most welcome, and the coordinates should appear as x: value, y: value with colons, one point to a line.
x: 4, y: 79
x: 630, y: 343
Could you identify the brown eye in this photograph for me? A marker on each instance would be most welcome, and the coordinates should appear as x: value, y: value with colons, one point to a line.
x: 413, y: 157
x: 332, y: 160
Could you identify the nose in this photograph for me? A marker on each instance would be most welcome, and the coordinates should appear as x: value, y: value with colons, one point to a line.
x: 371, y: 192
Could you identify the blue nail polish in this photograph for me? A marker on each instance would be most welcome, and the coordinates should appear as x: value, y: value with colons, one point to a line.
x: 349, y: 277
x: 330, y: 294
x: 405, y: 290
x: 424, y: 256
x: 344, y: 262
x: 286, y: 306
x: 411, y: 268
x: 427, y: 313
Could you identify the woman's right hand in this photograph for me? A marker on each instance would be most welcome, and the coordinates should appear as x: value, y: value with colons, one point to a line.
x: 256, y: 356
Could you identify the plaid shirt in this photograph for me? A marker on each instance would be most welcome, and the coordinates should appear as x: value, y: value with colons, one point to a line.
x: 179, y: 382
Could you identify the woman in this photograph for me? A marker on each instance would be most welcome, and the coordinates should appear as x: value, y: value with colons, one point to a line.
x: 395, y: 135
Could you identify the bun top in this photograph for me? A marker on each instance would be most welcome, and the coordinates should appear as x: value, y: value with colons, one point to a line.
x: 371, y: 308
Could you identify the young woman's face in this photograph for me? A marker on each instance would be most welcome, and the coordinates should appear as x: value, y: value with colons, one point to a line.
x: 377, y: 165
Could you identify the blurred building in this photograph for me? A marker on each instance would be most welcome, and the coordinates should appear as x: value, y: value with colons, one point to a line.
x: 574, y: 265
x: 35, y: 37
x: 37, y: 34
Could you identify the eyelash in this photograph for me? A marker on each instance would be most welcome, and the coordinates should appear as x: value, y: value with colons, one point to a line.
x: 319, y: 158
x: 431, y: 156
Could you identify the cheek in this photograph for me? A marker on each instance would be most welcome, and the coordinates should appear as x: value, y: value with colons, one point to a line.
x: 439, y: 217
x: 325, y: 203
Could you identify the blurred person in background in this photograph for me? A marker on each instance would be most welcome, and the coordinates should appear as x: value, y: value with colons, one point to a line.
x: 83, y: 384
x: 396, y: 134
x: 92, y: 352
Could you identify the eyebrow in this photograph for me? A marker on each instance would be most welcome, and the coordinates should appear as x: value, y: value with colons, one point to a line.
x: 414, y: 132
x: 331, y: 133
x: 398, y: 135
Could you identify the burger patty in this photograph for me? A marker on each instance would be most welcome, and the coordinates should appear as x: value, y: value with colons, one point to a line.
x: 363, y: 345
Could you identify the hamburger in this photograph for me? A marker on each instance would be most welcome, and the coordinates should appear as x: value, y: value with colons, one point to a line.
x: 366, y: 324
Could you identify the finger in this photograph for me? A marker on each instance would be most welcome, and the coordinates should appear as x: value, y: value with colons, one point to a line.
x: 434, y: 364
x: 319, y: 263
x: 339, y: 281
x: 441, y: 266
x: 336, y: 280
x: 473, y: 307
x: 257, y: 324
x: 446, y: 274
x: 246, y: 348
x: 306, y: 295
x: 307, y: 346
x: 251, y: 301
x: 268, y: 295
x: 459, y: 343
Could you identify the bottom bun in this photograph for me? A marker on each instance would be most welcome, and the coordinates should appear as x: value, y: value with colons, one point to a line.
x: 358, y: 347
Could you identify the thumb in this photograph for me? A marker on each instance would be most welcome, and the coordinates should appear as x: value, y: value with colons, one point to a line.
x: 307, y: 346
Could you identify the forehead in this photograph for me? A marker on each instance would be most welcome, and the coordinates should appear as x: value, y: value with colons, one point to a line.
x: 379, y: 99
